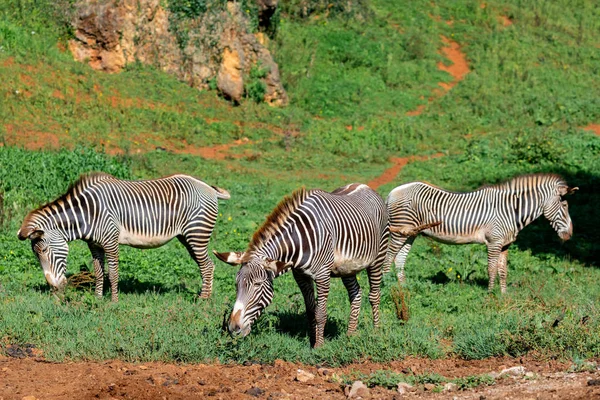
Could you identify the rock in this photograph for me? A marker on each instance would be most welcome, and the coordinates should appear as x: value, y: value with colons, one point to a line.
x: 216, y: 45
x: 324, y: 371
x: 450, y: 387
x: 513, y: 371
x: 593, y: 382
x: 429, y: 387
x: 530, y: 374
x: 357, y: 390
x: 303, y: 376
x: 230, y: 81
x: 255, y: 391
x: 404, y: 388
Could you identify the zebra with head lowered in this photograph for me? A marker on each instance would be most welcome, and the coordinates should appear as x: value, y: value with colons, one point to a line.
x: 493, y: 215
x: 105, y: 211
x: 318, y: 235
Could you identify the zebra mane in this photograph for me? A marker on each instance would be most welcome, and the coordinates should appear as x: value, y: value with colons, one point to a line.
x: 529, y: 181
x: 277, y: 218
x: 83, y: 182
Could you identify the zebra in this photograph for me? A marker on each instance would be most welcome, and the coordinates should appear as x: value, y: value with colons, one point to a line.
x: 317, y: 235
x: 492, y: 215
x: 105, y: 211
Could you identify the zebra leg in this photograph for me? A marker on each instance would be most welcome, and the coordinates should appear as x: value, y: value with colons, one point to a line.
x: 354, y: 295
x: 323, y: 284
x: 502, y: 268
x: 401, y: 257
x: 374, y: 273
x: 396, y: 243
x: 98, y: 256
x: 307, y: 287
x: 199, y: 252
x: 112, y: 256
x: 493, y: 254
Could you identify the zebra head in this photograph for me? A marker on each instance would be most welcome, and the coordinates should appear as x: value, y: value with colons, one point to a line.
x: 556, y: 210
x: 51, y: 249
x: 254, y: 283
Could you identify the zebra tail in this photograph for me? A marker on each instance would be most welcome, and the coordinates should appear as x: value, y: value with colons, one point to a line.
x: 404, y: 231
x: 221, y: 193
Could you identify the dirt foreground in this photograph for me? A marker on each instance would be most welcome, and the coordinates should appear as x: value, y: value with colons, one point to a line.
x: 35, y: 378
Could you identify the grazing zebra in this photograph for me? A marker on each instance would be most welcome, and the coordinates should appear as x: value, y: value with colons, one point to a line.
x: 105, y: 211
x: 318, y: 235
x: 493, y: 215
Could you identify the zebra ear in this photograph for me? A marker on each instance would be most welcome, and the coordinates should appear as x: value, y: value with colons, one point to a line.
x: 564, y: 190
x: 276, y: 266
x: 230, y: 257
x: 29, y: 233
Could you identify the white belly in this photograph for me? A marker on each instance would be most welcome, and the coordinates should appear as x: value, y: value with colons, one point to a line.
x: 143, y: 242
x: 477, y: 237
x: 343, y: 266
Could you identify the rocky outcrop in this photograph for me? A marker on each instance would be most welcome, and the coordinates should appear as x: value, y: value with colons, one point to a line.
x: 216, y: 46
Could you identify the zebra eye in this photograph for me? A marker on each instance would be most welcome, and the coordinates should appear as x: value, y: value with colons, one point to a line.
x: 564, y: 203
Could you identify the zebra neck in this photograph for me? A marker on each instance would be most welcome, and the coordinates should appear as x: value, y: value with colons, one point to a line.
x: 64, y: 219
x: 526, y: 212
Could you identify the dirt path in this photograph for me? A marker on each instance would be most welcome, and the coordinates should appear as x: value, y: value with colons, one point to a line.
x: 119, y: 380
x: 458, y: 69
x: 594, y: 128
x: 397, y: 164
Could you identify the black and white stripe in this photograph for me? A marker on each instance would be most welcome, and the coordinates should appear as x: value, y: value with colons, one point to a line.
x: 105, y: 211
x: 493, y: 215
x: 318, y: 235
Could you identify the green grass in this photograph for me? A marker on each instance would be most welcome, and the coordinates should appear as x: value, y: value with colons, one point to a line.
x: 351, y: 77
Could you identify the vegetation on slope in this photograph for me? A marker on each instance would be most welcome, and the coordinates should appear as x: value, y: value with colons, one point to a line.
x: 351, y: 79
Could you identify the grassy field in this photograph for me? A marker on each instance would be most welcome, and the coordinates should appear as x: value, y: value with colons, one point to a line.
x: 352, y: 75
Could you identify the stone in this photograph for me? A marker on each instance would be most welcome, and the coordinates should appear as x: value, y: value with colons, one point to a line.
x: 429, y: 387
x: 358, y: 390
x: 404, y: 388
x: 255, y: 391
x: 220, y: 44
x: 303, y: 376
x: 450, y: 387
x: 513, y: 371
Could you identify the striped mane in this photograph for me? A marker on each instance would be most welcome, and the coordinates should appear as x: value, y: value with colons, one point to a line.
x: 277, y: 218
x: 83, y: 182
x: 522, y: 183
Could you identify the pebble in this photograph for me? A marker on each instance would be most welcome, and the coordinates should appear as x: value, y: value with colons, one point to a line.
x: 303, y: 376
x: 429, y: 386
x: 450, y: 387
x: 404, y: 388
x: 513, y: 371
x: 358, y: 390
x: 255, y: 391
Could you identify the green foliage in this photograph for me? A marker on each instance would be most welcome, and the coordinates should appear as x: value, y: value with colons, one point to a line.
x: 254, y: 87
x: 530, y: 88
x: 390, y: 379
x: 304, y: 9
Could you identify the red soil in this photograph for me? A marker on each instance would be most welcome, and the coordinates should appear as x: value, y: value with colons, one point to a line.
x: 505, y: 21
x: 594, y: 128
x: 458, y: 69
x: 119, y: 380
x: 398, y: 163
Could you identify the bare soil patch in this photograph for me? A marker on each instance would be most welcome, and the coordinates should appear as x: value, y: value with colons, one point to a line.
x: 594, y: 128
x: 458, y: 68
x: 116, y: 379
x: 398, y: 163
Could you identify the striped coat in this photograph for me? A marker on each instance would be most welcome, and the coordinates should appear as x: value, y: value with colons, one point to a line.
x: 105, y: 212
x: 491, y: 215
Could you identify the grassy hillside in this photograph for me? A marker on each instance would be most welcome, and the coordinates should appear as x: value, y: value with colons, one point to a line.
x: 352, y: 75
